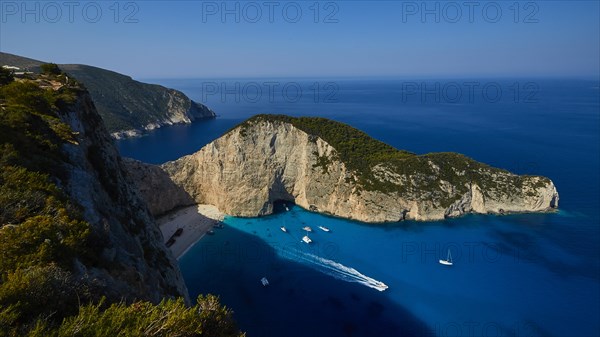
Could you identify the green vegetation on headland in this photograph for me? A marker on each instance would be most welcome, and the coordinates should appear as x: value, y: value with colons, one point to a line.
x: 123, y: 103
x: 363, y: 155
x: 126, y: 104
x: 6, y: 76
x: 168, y: 318
x: 44, y: 240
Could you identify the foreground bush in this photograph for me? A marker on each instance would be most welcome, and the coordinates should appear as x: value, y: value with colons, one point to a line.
x: 169, y: 318
x: 45, y: 243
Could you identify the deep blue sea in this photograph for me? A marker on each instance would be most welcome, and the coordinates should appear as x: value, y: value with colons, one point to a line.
x: 515, y: 275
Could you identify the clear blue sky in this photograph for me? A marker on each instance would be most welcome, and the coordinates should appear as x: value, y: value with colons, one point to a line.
x: 370, y: 38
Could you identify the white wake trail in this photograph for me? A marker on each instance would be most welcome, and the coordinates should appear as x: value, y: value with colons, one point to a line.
x: 335, y: 269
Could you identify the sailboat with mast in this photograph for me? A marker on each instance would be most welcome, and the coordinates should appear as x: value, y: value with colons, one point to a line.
x: 448, y: 260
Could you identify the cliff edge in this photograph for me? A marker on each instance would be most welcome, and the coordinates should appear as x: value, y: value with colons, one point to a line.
x: 332, y: 168
x: 67, y: 198
x: 128, y: 107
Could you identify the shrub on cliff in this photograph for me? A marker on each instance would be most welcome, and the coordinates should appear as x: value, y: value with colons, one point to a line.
x: 6, y: 76
x: 45, y: 245
x: 50, y: 69
x: 169, y: 318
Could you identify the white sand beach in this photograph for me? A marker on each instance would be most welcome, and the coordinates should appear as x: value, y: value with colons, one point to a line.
x: 195, y: 222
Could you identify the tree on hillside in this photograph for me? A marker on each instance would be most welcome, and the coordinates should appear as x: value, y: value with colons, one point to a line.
x: 6, y: 76
x: 50, y: 69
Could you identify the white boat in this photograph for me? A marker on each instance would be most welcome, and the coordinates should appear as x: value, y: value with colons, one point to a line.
x: 283, y: 229
x: 380, y: 286
x: 324, y: 229
x: 308, y: 229
x: 264, y: 281
x: 286, y: 208
x: 448, y: 260
x: 306, y: 239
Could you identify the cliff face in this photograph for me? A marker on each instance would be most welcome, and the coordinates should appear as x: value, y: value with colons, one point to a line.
x: 160, y: 193
x: 244, y: 172
x: 130, y: 108
x: 136, y: 263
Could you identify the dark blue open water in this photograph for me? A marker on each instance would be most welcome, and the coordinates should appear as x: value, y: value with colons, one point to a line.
x: 517, y: 275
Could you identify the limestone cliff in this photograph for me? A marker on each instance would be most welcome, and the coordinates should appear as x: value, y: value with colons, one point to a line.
x: 80, y: 252
x: 128, y: 107
x: 270, y: 158
x: 158, y: 190
x: 136, y: 264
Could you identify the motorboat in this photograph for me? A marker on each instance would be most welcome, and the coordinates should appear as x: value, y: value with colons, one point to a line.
x: 380, y: 286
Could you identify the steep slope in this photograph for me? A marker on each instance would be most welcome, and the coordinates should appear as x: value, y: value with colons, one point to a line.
x: 73, y: 227
x: 140, y: 265
x: 128, y: 107
x: 332, y: 168
x: 26, y: 64
x: 151, y: 179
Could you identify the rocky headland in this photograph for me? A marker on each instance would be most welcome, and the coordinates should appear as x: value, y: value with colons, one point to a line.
x: 332, y: 168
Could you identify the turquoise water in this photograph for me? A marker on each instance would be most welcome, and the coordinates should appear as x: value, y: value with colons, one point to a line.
x: 507, y: 279
x: 516, y: 275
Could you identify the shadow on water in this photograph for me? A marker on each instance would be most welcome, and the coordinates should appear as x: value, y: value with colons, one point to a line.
x: 299, y: 301
x: 526, y: 248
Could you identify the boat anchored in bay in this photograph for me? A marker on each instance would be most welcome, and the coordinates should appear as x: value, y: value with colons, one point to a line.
x: 448, y: 260
x: 305, y: 238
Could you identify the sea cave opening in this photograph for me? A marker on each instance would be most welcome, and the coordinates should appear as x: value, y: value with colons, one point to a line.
x: 282, y: 206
